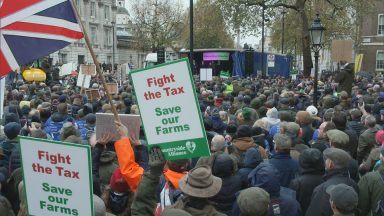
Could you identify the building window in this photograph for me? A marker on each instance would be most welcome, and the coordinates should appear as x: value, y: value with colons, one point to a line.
x: 107, y: 37
x: 93, y: 34
x: 63, y: 58
x: 106, y: 12
x: 93, y: 9
x: 109, y: 59
x: 381, y: 25
x: 380, y: 60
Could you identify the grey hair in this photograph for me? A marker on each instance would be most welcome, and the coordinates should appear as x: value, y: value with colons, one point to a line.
x: 218, y: 142
x: 370, y: 121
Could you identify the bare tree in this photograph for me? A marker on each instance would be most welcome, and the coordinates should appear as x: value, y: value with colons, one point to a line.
x: 158, y: 23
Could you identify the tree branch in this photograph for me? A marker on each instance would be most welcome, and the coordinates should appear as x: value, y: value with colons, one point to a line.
x: 334, y: 5
x: 262, y: 4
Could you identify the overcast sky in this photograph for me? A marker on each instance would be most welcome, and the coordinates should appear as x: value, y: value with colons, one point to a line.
x: 249, y: 40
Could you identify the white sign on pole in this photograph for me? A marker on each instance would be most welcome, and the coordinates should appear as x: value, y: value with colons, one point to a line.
x: 57, y: 177
x: 66, y: 69
x: 170, y: 111
x: 205, y: 74
x: 83, y: 80
x: 271, y: 60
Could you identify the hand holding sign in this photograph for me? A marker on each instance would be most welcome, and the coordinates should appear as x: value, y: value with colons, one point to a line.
x: 121, y: 129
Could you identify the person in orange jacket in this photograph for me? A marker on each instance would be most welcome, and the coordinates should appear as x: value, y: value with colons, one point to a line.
x: 131, y: 171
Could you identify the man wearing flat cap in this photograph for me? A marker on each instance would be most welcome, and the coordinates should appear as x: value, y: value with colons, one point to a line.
x: 343, y: 200
x: 336, y: 168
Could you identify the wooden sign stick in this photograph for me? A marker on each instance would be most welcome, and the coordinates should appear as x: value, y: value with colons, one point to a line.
x: 98, y: 70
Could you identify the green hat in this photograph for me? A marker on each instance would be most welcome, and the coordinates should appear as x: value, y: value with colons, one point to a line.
x: 247, y: 112
x: 338, y: 136
x: 253, y: 201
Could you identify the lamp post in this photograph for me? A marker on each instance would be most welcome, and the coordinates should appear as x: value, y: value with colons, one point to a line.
x: 262, y: 43
x: 191, y: 34
x: 283, y: 32
x: 113, y: 47
x: 317, y: 36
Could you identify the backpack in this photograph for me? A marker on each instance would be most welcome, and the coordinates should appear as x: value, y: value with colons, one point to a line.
x: 379, y: 211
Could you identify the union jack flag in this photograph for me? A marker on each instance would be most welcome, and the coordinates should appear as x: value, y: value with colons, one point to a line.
x: 30, y: 29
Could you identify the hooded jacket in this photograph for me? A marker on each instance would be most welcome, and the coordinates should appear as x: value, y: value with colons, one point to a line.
x: 266, y: 176
x: 252, y: 158
x: 320, y: 205
x: 311, y: 175
x: 223, y: 168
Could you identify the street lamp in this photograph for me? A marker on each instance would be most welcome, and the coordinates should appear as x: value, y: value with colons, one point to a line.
x: 113, y: 47
x: 317, y: 36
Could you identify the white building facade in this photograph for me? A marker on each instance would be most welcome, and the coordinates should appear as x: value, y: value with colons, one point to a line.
x: 99, y: 18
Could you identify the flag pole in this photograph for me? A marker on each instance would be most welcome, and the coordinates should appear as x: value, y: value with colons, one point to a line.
x: 98, y: 69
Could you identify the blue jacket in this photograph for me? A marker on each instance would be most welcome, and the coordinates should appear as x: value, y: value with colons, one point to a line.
x: 287, y: 167
x: 54, y: 124
x: 251, y: 159
x: 266, y: 177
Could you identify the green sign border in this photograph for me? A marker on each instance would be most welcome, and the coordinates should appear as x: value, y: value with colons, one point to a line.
x: 59, y: 143
x: 162, y: 145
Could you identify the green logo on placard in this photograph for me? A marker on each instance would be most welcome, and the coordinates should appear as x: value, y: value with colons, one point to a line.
x: 191, y: 146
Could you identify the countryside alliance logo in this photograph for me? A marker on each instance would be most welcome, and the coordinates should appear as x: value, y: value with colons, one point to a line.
x: 191, y: 146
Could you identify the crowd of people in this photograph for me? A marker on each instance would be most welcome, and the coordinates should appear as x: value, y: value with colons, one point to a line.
x: 273, y: 152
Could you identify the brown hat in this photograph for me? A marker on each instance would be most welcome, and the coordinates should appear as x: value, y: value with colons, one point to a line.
x: 200, y: 182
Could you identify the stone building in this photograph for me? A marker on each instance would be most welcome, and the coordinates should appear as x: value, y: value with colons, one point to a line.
x: 98, y: 17
x: 125, y: 38
x: 372, y: 33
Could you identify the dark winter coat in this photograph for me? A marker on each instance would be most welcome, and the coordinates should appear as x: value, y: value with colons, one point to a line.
x: 320, y: 205
x: 266, y: 177
x: 223, y: 168
x: 287, y: 167
x: 356, y: 126
x: 353, y: 142
x: 8, y: 147
x: 367, y: 142
x: 345, y: 80
x: 311, y: 175
x: 371, y: 190
x: 307, y: 134
x: 252, y: 158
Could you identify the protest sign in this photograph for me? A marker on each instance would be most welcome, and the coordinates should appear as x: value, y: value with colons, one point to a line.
x: 112, y: 88
x: 88, y: 69
x: 205, y: 74
x: 57, y: 177
x: 224, y: 74
x: 92, y: 94
x: 271, y: 60
x: 84, y: 79
x: 67, y: 69
x: 105, y: 124
x: 169, y: 110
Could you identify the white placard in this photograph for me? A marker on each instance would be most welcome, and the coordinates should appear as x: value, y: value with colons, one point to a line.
x: 170, y: 111
x: 271, y: 60
x: 57, y: 177
x: 67, y: 69
x: 206, y: 74
x: 83, y: 80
